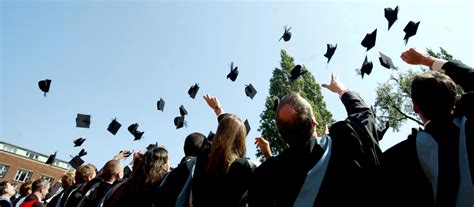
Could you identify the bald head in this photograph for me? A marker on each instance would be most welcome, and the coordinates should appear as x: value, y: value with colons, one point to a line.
x: 295, y: 120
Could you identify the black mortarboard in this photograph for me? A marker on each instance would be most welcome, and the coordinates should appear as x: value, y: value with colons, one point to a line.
x: 133, y: 129
x: 51, y: 158
x: 114, y: 126
x: 247, y: 126
x: 296, y: 72
x: 193, y: 90
x: 234, y: 72
x: 83, y: 121
x: 386, y: 61
x: 210, y: 136
x: 160, y: 105
x: 44, y: 85
x: 369, y: 40
x: 410, y: 30
x: 275, y: 103
x: 152, y: 146
x: 286, y: 35
x: 391, y: 15
x: 182, y: 111
x: 78, y: 142
x: 250, y: 91
x: 82, y: 153
x: 366, y: 67
x: 76, y: 161
x: 330, y: 51
x: 179, y: 122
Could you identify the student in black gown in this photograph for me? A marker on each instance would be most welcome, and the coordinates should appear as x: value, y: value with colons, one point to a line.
x: 434, y: 167
x: 343, y: 162
x: 142, y: 186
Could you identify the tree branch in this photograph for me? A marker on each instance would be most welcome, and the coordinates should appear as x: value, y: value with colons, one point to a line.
x: 400, y: 111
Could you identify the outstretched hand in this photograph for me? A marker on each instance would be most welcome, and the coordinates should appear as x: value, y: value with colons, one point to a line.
x: 264, y: 146
x: 416, y: 57
x: 214, y: 103
x: 335, y: 86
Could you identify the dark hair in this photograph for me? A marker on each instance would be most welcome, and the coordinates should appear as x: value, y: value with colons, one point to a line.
x: 149, y: 170
x: 3, y: 187
x: 296, y: 127
x: 194, y: 144
x: 38, y: 184
x: 25, y: 188
x: 435, y: 94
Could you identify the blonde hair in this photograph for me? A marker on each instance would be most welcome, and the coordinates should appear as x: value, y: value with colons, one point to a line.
x: 68, y: 179
x: 227, y: 145
x: 83, y: 172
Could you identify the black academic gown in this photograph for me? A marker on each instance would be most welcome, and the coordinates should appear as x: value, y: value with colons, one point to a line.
x: 348, y: 178
x: 169, y: 191
x: 403, y: 180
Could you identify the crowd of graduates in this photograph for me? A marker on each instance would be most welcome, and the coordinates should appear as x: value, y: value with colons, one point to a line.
x: 433, y: 166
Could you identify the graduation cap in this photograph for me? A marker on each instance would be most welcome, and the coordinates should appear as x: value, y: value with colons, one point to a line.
x: 193, y: 90
x: 275, y: 103
x: 250, y: 91
x: 366, y: 67
x: 160, y: 105
x: 286, y: 35
x: 182, y: 111
x: 83, y: 121
x: 410, y: 30
x: 179, y: 122
x: 210, y: 136
x: 234, y: 72
x: 152, y: 146
x: 296, y: 72
x: 369, y: 40
x: 133, y: 129
x: 386, y: 61
x: 78, y: 142
x: 247, y: 126
x: 330, y: 51
x: 82, y: 153
x: 76, y: 161
x: 391, y: 15
x: 44, y: 85
x: 114, y: 126
x: 51, y: 158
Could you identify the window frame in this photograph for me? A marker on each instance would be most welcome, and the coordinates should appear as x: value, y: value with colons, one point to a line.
x: 26, y: 178
x: 4, y: 169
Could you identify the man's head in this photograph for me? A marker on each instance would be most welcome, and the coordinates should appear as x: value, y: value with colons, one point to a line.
x: 40, y: 187
x: 25, y: 188
x: 295, y: 120
x: 85, y: 173
x: 194, y: 144
x: 112, y: 171
x: 68, y: 179
x: 6, y: 189
x: 433, y: 95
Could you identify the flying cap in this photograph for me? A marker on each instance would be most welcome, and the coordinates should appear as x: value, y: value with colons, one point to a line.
x: 234, y: 72
x: 78, y: 142
x: 44, y: 85
x: 386, y: 61
x: 114, y: 126
x: 391, y: 15
x: 369, y: 40
x: 286, y: 35
x: 410, y: 30
x: 330, y: 51
x: 51, y: 158
x: 296, y: 72
x: 250, y: 91
x: 83, y: 121
x: 193, y: 90
x: 160, y: 105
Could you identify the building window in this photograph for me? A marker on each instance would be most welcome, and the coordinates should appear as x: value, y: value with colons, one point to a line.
x: 32, y: 155
x: 3, y: 170
x: 9, y: 148
x: 22, y: 175
x: 48, y: 178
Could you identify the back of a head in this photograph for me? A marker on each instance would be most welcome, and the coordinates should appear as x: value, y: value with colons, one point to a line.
x: 194, y: 144
x: 150, y: 169
x: 26, y: 188
x: 38, y: 184
x: 294, y: 120
x: 435, y: 94
x: 84, y: 172
x: 111, y: 168
x: 4, y: 185
x: 228, y: 144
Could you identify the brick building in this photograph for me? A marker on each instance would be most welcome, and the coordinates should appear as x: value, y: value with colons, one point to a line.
x: 18, y: 164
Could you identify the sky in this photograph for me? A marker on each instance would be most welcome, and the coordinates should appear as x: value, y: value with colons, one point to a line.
x: 116, y: 59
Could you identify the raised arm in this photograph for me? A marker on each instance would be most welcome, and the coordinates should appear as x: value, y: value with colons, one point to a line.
x: 456, y: 70
x: 214, y: 103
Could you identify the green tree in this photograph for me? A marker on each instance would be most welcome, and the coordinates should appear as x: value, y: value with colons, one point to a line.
x: 393, y: 101
x: 281, y: 85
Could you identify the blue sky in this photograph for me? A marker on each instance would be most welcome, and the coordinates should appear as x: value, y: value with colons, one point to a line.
x: 117, y: 58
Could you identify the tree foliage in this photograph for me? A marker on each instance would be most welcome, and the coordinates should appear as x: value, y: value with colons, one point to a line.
x: 281, y: 85
x: 393, y: 101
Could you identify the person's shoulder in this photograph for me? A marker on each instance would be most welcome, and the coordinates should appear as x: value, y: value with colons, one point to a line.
x: 5, y: 203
